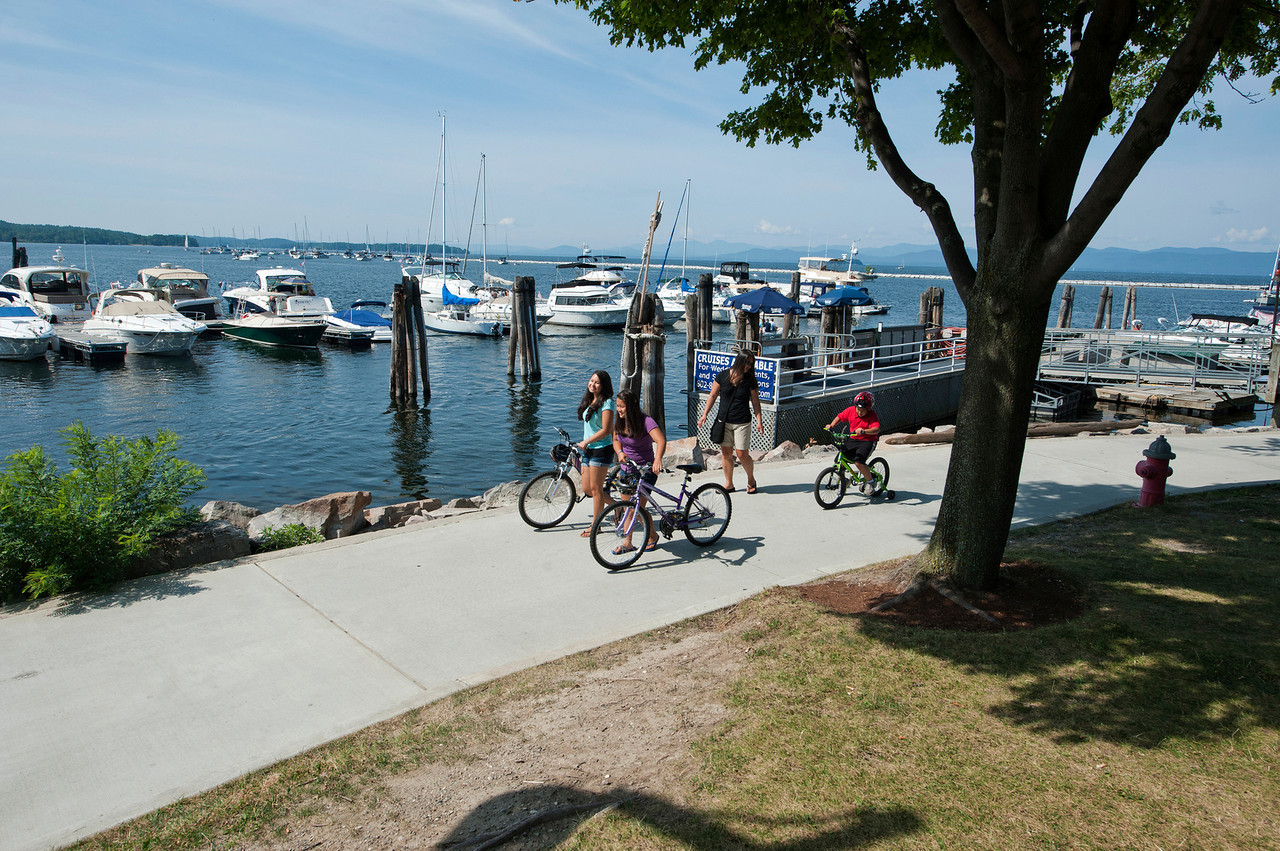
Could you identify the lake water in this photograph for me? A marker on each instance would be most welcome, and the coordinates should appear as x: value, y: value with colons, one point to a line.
x: 272, y: 427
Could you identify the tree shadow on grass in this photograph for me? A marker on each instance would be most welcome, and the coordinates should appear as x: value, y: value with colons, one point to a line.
x: 1181, y: 638
x: 857, y: 827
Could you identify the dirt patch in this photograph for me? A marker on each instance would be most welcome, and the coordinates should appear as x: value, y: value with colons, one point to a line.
x: 1027, y: 595
x: 592, y: 737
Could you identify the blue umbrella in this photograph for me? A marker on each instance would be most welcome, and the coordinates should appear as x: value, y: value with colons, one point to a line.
x: 765, y: 300
x: 845, y: 296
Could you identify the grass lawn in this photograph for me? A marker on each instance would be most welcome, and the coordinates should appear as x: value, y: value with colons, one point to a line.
x: 1151, y: 721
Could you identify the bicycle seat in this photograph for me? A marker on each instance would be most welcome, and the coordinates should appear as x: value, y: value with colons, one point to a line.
x: 690, y: 468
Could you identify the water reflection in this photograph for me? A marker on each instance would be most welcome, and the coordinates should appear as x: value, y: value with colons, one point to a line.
x: 410, y: 431
x: 524, y: 403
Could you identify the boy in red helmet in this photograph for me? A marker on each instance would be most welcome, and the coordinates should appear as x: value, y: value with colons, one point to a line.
x: 864, y: 431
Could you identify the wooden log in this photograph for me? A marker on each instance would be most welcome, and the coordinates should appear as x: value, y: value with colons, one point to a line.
x: 413, y: 295
x: 1104, y: 308
x: 1065, y: 308
x: 790, y: 320
x: 1033, y: 430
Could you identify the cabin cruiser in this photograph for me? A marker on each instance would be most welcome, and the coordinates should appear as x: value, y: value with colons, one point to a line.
x: 500, y: 309
x: 826, y: 270
x: 23, y: 334
x: 284, y: 292
x: 186, y: 289
x: 142, y: 318
x: 267, y: 329
x: 58, y: 294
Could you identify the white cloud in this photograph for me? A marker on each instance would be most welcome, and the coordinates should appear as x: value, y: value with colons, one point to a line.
x: 1245, y: 236
x: 774, y: 230
x: 508, y: 222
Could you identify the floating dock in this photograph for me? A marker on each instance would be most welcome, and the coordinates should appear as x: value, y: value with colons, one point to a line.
x: 1204, y: 403
x: 88, y: 348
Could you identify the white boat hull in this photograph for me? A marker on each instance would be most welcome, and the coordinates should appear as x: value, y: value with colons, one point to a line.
x: 445, y: 322
x: 23, y: 347
x: 144, y: 339
x: 606, y: 317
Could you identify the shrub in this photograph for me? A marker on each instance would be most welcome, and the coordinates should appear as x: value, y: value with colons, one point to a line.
x: 292, y: 535
x: 81, y: 530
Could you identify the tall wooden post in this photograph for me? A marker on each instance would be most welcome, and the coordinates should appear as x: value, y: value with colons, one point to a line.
x: 1104, y: 308
x: 402, y: 391
x: 1130, y: 307
x: 414, y: 296
x: 1064, y: 309
x: 524, y: 330
x: 651, y: 352
x: 790, y: 320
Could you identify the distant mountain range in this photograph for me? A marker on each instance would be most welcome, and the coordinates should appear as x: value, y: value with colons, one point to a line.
x: 1170, y: 261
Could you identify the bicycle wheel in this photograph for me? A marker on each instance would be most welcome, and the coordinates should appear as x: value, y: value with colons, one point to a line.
x: 547, y: 499
x: 610, y: 531
x: 707, y: 515
x: 829, y: 487
x: 880, y: 470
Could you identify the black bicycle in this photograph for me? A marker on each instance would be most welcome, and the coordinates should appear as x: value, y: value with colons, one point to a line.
x: 549, y: 497
x: 702, y: 515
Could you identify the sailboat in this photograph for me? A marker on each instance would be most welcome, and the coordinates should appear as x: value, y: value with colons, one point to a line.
x: 434, y: 284
x: 490, y: 280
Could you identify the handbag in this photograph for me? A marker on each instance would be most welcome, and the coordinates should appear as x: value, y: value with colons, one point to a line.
x: 717, y: 431
x: 717, y: 428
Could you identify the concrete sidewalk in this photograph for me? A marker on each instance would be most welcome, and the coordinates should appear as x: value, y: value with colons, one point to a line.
x: 114, y: 706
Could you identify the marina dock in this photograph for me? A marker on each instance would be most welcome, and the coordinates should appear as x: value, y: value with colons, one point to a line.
x: 88, y: 348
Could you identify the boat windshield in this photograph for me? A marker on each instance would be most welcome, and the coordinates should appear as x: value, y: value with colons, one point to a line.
x: 56, y: 282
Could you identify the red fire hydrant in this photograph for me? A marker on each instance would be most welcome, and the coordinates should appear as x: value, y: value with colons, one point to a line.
x: 1154, y: 470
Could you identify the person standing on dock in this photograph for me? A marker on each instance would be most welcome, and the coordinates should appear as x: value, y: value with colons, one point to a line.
x: 740, y: 397
x: 864, y: 431
x: 596, y: 413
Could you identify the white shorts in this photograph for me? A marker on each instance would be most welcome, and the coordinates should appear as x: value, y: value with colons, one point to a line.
x: 737, y: 435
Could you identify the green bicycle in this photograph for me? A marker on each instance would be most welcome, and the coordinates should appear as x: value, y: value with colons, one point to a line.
x: 834, y: 481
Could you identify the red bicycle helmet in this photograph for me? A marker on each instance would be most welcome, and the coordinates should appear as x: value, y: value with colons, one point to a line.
x: 864, y: 400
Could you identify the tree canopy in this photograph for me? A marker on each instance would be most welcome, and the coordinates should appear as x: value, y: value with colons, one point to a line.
x: 1036, y: 83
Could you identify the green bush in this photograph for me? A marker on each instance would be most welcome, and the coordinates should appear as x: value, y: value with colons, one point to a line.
x: 292, y: 535
x: 80, y: 530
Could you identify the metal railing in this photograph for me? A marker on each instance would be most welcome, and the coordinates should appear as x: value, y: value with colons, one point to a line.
x: 803, y: 369
x: 1188, y: 358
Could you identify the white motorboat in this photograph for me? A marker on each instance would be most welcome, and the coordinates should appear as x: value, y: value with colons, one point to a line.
x: 826, y: 270
x: 23, y: 334
x: 186, y: 289
x: 366, y: 315
x: 144, y: 320
x: 58, y: 294
x: 284, y: 292
x: 598, y: 297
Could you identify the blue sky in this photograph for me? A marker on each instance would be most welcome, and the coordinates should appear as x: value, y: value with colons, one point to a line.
x: 271, y: 117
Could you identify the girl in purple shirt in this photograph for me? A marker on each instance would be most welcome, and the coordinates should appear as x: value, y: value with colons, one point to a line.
x: 636, y: 436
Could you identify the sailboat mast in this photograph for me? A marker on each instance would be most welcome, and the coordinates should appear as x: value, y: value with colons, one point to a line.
x: 484, y: 223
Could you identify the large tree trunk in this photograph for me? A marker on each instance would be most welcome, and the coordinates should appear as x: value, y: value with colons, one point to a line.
x: 1006, y: 321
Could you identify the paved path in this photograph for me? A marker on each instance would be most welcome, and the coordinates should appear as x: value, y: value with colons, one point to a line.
x: 112, y: 707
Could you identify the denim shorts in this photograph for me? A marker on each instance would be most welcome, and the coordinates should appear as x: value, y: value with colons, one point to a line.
x: 602, y: 457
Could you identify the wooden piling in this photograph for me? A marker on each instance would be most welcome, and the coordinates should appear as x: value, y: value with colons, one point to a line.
x: 789, y: 321
x: 524, y: 331
x: 1130, y: 307
x: 1065, y: 308
x: 1104, y: 309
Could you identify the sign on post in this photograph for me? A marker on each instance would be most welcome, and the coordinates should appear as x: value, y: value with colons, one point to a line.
x: 708, y: 364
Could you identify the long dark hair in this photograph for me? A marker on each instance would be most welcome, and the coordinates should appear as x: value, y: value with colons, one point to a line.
x: 592, y: 403
x: 743, y: 364
x: 632, y: 424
